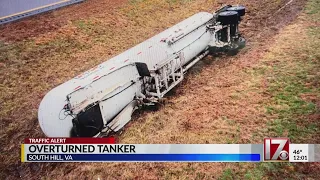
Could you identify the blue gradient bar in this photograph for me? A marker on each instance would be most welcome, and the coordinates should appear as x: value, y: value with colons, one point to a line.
x: 147, y: 157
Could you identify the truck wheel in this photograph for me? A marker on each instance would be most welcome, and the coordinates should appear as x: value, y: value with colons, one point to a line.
x: 240, y: 9
x: 228, y: 17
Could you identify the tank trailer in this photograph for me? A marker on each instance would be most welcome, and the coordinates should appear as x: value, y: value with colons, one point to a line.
x: 102, y: 99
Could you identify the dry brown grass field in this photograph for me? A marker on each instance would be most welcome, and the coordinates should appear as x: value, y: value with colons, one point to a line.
x: 270, y: 88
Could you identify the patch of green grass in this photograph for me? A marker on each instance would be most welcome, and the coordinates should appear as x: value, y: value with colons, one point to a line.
x: 293, y: 75
x: 287, y: 89
x: 313, y: 9
x: 227, y: 174
x: 262, y: 170
x: 200, y: 175
x: 83, y: 25
x: 89, y: 27
x: 98, y: 31
x: 20, y: 52
x: 9, y: 51
x: 62, y: 47
x: 136, y: 1
x: 292, y: 81
x: 281, y: 127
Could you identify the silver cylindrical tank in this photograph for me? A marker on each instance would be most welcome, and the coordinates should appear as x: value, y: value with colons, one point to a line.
x: 189, y: 37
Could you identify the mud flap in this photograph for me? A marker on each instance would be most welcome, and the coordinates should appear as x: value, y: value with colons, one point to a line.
x: 122, y: 118
x: 142, y: 69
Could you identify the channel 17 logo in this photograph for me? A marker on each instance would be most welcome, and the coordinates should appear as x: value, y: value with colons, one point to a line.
x: 276, y: 149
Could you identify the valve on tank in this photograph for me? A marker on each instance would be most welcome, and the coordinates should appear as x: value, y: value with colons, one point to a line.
x: 230, y: 19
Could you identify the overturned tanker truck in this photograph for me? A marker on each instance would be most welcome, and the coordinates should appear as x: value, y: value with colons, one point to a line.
x: 102, y: 100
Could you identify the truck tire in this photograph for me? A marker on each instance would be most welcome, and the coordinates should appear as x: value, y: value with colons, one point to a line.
x: 228, y: 17
x: 240, y: 9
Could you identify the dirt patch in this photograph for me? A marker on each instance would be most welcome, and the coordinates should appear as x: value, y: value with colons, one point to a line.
x: 218, y: 103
